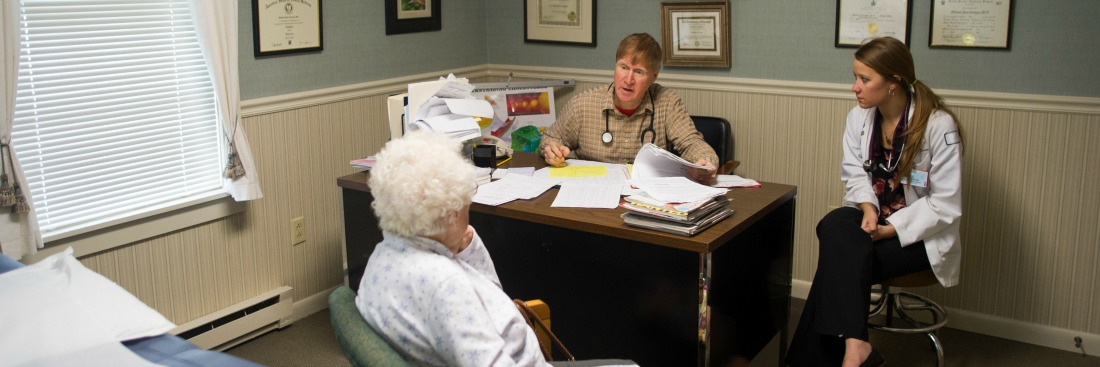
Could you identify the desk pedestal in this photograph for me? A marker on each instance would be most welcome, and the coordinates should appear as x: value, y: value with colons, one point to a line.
x: 612, y: 297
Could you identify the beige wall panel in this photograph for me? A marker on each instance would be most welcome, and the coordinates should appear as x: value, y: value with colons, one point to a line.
x: 1030, y: 236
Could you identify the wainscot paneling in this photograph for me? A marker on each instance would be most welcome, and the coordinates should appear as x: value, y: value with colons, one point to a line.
x: 1029, y: 232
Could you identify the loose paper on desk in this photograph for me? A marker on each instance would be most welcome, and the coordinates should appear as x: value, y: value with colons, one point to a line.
x: 652, y: 161
x: 616, y: 174
x: 735, y: 181
x: 587, y: 195
x: 526, y: 171
x: 512, y: 187
x: 677, y: 189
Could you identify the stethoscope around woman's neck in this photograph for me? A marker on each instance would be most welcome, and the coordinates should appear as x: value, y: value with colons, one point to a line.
x: 903, y: 121
x: 607, y: 137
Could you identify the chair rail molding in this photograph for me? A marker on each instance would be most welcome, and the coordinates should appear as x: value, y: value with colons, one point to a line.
x: 959, y: 98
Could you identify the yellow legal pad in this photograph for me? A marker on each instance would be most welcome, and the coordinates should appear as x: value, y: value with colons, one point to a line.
x: 578, y: 171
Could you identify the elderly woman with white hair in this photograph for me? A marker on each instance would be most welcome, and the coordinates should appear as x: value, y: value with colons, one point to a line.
x: 430, y: 288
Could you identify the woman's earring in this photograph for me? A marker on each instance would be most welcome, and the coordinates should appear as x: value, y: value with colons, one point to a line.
x: 891, y: 92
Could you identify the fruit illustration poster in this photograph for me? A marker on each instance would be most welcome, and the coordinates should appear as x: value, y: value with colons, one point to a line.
x: 516, y: 108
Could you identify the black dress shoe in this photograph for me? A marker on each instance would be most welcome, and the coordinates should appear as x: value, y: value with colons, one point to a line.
x: 873, y: 360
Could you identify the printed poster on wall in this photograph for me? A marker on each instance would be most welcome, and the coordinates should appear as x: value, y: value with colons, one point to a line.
x: 516, y: 108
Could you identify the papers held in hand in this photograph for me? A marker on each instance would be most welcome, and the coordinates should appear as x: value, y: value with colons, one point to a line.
x: 653, y: 162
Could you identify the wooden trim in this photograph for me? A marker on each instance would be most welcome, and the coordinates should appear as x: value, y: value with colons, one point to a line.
x: 960, y: 98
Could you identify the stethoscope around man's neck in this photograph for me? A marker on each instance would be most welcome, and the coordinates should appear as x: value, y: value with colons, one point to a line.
x: 607, y: 137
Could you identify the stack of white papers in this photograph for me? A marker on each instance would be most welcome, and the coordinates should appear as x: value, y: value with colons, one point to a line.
x: 447, y: 106
x: 455, y: 126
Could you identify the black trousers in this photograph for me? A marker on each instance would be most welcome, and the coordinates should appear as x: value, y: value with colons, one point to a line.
x: 848, y: 264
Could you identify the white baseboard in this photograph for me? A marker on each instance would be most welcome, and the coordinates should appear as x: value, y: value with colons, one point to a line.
x: 1042, y: 335
x: 312, y: 304
x: 1005, y: 328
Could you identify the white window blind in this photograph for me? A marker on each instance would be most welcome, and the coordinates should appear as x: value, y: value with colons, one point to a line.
x: 115, y: 111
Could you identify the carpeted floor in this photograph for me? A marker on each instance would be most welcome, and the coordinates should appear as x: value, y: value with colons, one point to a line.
x: 310, y: 342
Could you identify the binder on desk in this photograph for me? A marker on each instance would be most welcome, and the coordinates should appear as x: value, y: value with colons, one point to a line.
x: 694, y: 216
x: 683, y: 229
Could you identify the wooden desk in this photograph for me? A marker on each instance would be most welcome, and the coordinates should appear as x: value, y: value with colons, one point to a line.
x: 612, y: 292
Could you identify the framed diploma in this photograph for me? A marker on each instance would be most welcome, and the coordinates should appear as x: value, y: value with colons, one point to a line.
x: 860, y: 20
x: 570, y: 22
x: 695, y: 34
x: 970, y: 23
x: 409, y: 16
x: 286, y: 26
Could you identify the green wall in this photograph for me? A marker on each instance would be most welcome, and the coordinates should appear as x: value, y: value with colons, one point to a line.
x: 357, y: 49
x: 1054, y: 46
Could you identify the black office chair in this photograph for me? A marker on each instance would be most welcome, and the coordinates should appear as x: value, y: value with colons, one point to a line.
x: 716, y: 131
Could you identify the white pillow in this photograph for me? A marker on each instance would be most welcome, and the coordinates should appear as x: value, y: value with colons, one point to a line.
x: 124, y: 316
x: 43, y: 325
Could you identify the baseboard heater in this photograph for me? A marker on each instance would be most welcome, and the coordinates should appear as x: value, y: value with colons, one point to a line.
x: 241, y: 322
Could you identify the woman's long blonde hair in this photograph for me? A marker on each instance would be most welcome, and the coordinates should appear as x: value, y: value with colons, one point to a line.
x: 891, y: 59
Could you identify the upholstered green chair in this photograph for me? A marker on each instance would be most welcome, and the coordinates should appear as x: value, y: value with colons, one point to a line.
x: 361, y: 345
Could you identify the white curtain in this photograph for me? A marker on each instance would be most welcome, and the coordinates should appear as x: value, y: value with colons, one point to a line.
x: 19, y: 233
x: 216, y: 22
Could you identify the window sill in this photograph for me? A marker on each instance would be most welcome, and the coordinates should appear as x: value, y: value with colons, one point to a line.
x: 137, y: 229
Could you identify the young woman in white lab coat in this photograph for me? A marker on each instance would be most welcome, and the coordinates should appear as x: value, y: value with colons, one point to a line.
x: 902, y: 173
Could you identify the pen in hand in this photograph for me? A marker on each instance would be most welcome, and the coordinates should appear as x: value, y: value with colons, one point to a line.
x: 554, y: 154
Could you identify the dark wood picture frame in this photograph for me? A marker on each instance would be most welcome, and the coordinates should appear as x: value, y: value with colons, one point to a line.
x: 395, y: 25
x: 697, y: 56
x: 581, y: 34
x: 267, y: 46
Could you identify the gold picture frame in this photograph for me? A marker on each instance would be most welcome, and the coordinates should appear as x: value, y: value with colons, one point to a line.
x: 859, y: 21
x: 695, y: 34
x: 957, y: 24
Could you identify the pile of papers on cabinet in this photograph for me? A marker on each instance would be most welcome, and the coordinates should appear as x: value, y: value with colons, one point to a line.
x: 447, y: 106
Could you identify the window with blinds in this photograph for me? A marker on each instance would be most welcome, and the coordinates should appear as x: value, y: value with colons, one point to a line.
x: 115, y: 112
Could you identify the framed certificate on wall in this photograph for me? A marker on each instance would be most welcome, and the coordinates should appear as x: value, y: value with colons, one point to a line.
x: 695, y: 34
x: 570, y: 22
x: 286, y: 26
x: 861, y: 20
x: 970, y: 24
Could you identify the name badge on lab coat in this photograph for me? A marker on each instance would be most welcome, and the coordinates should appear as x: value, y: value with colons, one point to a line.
x: 918, y: 179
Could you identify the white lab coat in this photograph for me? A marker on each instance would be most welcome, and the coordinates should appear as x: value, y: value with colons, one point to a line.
x: 932, y: 213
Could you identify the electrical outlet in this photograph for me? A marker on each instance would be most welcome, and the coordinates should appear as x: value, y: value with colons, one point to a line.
x: 297, y: 230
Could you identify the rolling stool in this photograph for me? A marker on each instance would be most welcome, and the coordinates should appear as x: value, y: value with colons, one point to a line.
x: 893, y: 300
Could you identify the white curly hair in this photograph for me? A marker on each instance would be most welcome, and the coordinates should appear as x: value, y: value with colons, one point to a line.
x: 418, y: 181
